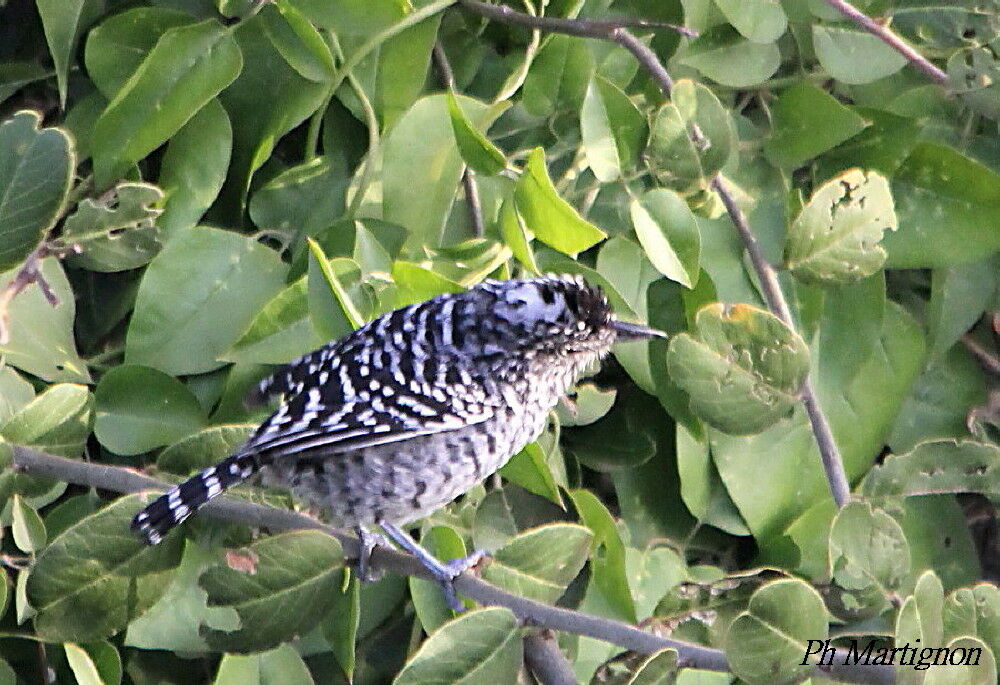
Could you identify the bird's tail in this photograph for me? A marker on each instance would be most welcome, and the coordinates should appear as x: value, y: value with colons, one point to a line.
x: 170, y: 509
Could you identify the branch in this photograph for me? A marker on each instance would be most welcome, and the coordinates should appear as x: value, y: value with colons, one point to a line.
x: 30, y: 272
x: 891, y: 39
x: 833, y: 464
x: 546, y: 661
x: 120, y: 479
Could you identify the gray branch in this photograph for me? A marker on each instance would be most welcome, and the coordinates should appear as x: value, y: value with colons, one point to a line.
x: 119, y: 479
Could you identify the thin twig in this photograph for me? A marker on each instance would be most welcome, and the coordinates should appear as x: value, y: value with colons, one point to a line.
x: 30, y: 272
x: 891, y: 39
x: 469, y: 184
x: 546, y: 661
x: 989, y: 360
x: 119, y: 479
x: 833, y: 464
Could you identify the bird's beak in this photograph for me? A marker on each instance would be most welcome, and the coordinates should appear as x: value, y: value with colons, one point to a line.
x: 635, y: 331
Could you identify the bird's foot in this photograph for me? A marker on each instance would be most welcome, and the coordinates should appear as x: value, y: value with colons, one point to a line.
x: 444, y: 572
x: 367, y: 542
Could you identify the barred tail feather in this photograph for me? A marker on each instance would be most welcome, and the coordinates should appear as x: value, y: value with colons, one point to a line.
x: 170, y: 509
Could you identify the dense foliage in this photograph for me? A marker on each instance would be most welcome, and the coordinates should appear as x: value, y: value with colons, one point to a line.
x: 193, y: 191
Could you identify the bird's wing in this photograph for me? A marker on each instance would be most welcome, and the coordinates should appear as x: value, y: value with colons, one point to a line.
x: 342, y: 406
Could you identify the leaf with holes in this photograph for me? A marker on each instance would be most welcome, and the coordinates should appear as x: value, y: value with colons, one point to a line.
x: 743, y: 368
x: 286, y: 593
x: 116, y: 231
x: 936, y: 468
x: 835, y: 238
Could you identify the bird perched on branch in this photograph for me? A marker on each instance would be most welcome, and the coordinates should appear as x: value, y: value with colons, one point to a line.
x: 398, y: 418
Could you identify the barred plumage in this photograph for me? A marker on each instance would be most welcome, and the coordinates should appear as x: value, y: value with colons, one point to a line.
x: 411, y: 410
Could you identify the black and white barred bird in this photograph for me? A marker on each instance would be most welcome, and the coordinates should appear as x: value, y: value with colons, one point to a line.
x: 398, y: 418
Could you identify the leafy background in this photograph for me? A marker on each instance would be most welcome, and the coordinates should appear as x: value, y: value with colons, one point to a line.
x: 193, y: 191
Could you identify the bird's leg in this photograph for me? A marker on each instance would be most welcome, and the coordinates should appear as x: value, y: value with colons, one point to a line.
x: 368, y: 541
x: 444, y: 572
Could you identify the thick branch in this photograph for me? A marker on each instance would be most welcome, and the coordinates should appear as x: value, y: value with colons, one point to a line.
x: 119, y: 479
x: 890, y: 39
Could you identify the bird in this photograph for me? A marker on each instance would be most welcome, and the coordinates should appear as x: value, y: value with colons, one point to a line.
x: 401, y: 416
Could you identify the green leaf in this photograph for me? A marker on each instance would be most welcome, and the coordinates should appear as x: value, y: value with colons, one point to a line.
x: 36, y: 171
x: 14, y: 75
x: 15, y: 392
x: 116, y: 231
x: 607, y: 560
x: 979, y: 665
x: 540, y: 563
x: 743, y: 371
x: 724, y: 56
x: 478, y: 152
x: 422, y: 145
x: 280, y: 332
x: 94, y: 663
x: 586, y: 404
x: 194, y: 167
x: 331, y: 308
x: 612, y: 128
x: 57, y: 421
x: 937, y: 407
x: 807, y: 122
x: 285, y: 587
x: 303, y: 199
x: 936, y: 467
x: 959, y: 296
x: 138, y: 408
x: 766, y: 642
x: 63, y: 23
x: 550, y: 218
x: 668, y: 232
x: 298, y: 41
x: 205, y: 448
x: 946, y: 200
x: 341, y: 625
x: 558, y: 76
x: 186, y: 68
x: 517, y: 236
x: 416, y: 283
x: 174, y: 620
x: 529, y: 469
x: 972, y: 74
x: 659, y: 667
x: 196, y: 298
x: 869, y: 553
x: 854, y: 56
x: 83, y: 585
x: 759, y: 22
x: 27, y: 526
x: 118, y: 45
x: 479, y: 646
x: 835, y: 237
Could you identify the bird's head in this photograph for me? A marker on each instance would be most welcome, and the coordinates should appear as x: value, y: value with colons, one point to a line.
x: 562, y: 314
